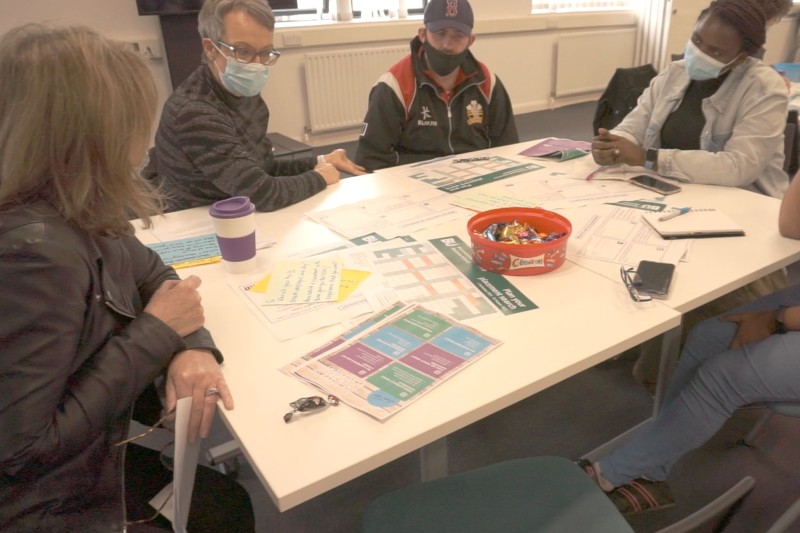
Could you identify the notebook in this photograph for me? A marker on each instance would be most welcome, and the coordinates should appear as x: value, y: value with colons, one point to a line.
x: 696, y: 223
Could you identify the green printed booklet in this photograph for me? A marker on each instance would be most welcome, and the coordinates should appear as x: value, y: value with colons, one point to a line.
x: 392, y: 359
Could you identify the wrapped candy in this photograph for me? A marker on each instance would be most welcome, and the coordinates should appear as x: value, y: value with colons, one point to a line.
x: 518, y: 233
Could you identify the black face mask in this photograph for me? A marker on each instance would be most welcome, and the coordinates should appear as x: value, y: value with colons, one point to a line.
x: 441, y: 63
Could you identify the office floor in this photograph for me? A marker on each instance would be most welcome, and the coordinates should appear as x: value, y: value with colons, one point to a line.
x: 568, y: 419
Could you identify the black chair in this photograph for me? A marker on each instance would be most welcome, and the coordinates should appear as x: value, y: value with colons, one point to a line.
x: 621, y: 95
x: 790, y: 141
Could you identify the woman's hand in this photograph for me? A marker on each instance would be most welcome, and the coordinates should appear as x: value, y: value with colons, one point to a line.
x: 177, y: 304
x: 751, y: 327
x: 339, y: 159
x: 194, y: 373
x: 610, y: 149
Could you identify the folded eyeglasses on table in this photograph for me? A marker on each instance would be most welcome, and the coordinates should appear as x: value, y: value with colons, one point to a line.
x: 631, y: 280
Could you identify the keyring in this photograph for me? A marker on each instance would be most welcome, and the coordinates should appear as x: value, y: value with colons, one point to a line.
x: 309, y: 404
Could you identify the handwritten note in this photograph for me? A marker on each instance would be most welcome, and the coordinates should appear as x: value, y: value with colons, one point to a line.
x: 188, y: 252
x: 348, y: 283
x: 296, y: 282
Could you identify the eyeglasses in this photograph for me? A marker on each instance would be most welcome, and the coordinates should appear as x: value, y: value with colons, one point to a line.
x: 245, y: 54
x: 629, y: 277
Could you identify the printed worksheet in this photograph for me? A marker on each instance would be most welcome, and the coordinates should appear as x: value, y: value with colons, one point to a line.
x: 554, y: 191
x: 619, y: 234
x: 489, y: 197
x: 288, y: 321
x: 292, y: 320
x: 391, y: 215
x: 457, y: 173
x: 353, y: 330
x: 392, y: 360
x: 438, y: 273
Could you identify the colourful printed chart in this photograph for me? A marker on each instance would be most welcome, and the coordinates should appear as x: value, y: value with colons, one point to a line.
x: 392, y: 359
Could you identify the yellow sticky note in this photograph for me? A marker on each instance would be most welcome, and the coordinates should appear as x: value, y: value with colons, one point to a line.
x: 350, y: 281
x: 262, y: 285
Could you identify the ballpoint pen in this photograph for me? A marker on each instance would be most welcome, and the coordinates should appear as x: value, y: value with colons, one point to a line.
x: 679, y: 212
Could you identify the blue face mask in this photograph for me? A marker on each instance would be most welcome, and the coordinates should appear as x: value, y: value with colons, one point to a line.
x: 243, y: 79
x: 701, y: 66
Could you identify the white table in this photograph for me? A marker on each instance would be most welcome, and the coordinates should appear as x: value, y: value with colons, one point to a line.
x: 716, y: 266
x: 585, y: 317
x: 313, y: 454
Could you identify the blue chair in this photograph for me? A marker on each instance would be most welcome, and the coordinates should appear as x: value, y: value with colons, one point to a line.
x: 538, y: 494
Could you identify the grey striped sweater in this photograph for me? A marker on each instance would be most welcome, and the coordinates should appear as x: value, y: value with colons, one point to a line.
x: 211, y: 145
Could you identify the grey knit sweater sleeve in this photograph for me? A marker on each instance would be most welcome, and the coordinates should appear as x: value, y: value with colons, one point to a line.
x: 211, y: 145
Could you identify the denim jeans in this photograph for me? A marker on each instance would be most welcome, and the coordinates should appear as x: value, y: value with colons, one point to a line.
x: 709, y: 384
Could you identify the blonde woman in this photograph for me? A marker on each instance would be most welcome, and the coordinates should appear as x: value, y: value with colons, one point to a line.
x: 90, y: 317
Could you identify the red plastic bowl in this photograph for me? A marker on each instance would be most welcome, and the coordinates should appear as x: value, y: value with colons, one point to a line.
x: 519, y: 259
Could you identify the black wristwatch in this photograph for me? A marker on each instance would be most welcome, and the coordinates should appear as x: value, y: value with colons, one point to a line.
x: 780, y: 324
x: 650, y: 158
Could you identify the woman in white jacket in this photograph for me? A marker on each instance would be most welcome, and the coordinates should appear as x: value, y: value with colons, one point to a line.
x: 715, y: 117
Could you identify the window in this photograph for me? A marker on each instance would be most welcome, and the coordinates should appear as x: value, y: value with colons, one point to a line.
x: 375, y: 7
x: 365, y: 8
x: 540, y: 6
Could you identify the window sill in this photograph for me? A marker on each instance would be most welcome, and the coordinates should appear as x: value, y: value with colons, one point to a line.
x: 303, y: 34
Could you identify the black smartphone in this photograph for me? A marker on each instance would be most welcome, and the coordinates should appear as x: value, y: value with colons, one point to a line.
x: 654, y: 278
x: 655, y: 184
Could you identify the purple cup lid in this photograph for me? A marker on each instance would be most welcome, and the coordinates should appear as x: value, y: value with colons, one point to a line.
x: 235, y: 207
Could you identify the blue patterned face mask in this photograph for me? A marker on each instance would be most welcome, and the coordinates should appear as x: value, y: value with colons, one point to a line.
x: 243, y: 79
x: 701, y: 66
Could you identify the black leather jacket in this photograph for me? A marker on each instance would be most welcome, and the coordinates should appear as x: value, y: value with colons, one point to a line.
x: 75, y: 352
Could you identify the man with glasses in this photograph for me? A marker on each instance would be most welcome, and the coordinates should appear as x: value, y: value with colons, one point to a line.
x: 438, y: 100
x: 212, y: 140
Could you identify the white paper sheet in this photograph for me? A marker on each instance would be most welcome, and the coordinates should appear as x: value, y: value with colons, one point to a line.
x: 183, y: 470
x: 391, y: 215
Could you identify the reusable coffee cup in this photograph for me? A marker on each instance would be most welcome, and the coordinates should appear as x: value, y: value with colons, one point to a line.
x: 235, y: 226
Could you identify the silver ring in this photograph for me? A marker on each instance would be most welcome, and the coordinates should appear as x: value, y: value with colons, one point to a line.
x: 212, y: 391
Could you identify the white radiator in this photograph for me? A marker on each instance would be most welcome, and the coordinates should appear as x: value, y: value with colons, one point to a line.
x: 338, y: 84
x: 586, y: 61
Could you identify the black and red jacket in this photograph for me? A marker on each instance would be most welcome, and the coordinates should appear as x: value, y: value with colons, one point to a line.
x: 410, y: 117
